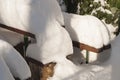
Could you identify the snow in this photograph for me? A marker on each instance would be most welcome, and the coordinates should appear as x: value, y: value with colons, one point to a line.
x: 35, y: 17
x: 106, y: 69
x: 54, y: 43
x: 102, y: 10
x: 62, y: 5
x: 52, y: 39
x: 5, y: 72
x: 54, y: 49
x: 112, y: 29
x: 101, y: 1
x: 13, y: 61
x: 29, y: 15
x: 115, y: 58
x: 87, y: 29
x: 73, y: 70
x: 11, y: 37
x: 45, y: 22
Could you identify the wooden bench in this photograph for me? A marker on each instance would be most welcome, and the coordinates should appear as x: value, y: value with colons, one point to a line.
x: 28, y: 34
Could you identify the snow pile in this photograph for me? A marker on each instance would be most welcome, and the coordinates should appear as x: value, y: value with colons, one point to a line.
x: 52, y: 40
x: 27, y: 15
x: 108, y: 69
x: 72, y: 70
x: 12, y: 63
x: 42, y: 18
x: 87, y: 29
x: 5, y: 73
x: 55, y: 49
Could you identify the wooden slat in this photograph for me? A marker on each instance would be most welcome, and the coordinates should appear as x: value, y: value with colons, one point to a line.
x: 90, y: 48
x: 17, y: 30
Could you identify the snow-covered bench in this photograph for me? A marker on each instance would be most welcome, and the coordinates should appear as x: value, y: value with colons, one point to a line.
x: 42, y: 18
x: 88, y: 33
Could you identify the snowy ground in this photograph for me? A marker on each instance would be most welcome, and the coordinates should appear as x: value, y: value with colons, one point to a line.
x: 106, y: 68
x: 100, y: 70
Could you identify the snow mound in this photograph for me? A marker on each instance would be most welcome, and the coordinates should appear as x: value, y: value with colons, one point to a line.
x: 5, y: 73
x: 53, y: 49
x: 52, y: 40
x: 29, y: 15
x: 107, y: 69
x: 13, y: 62
x: 87, y: 29
x: 72, y: 70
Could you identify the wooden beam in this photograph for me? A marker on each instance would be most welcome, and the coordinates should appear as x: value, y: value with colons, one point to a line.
x: 90, y: 48
x: 17, y: 30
